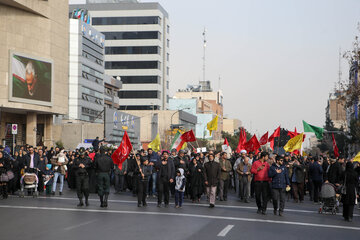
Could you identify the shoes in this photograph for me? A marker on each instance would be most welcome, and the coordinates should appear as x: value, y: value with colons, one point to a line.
x: 221, y: 199
x: 176, y: 206
x: 60, y: 193
x: 211, y: 205
x: 166, y: 205
x: 258, y: 211
x: 247, y: 201
x: 225, y: 199
x: 139, y: 205
x: 350, y: 219
x: 87, y: 202
x: 263, y: 212
x: 154, y: 196
x: 53, y: 193
x: 280, y: 213
x: 275, y: 212
x: 145, y: 204
x: 159, y: 205
x: 80, y: 204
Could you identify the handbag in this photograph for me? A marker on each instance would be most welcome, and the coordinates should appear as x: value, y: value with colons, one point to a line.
x: 4, y: 177
x: 343, y: 187
x: 10, y: 174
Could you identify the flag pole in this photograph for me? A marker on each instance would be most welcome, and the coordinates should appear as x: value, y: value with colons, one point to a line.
x: 278, y: 150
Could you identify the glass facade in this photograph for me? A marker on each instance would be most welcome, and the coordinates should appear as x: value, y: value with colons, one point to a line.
x: 140, y: 107
x: 139, y: 94
x: 132, y: 35
x: 133, y: 65
x: 125, y: 20
x: 132, y: 50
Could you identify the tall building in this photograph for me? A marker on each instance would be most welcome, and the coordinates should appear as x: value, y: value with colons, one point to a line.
x: 336, y: 110
x: 86, y: 74
x: 136, y: 49
x: 34, y: 46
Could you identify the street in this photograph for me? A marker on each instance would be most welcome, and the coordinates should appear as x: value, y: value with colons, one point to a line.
x: 59, y: 218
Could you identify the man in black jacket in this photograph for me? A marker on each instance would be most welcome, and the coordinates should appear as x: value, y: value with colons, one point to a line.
x: 32, y: 160
x: 82, y: 178
x: 103, y: 165
x: 165, y: 177
x: 212, y: 172
x: 334, y: 171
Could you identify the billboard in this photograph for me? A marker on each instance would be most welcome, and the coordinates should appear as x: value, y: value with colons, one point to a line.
x: 31, y: 79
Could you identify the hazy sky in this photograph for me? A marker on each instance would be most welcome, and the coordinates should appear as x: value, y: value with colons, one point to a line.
x: 278, y: 60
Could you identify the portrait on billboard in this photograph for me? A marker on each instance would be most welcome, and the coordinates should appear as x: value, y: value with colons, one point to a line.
x: 30, y: 79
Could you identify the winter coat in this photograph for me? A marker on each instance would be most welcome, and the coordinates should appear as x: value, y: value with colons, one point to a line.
x: 212, y: 172
x: 279, y: 180
x: 299, y: 171
x: 334, y: 173
x: 180, y: 181
x: 240, y: 171
x: 62, y: 170
x: 124, y: 168
x: 28, y: 160
x: 315, y: 172
x: 169, y: 167
x: 196, y: 176
x: 351, y: 182
x: 225, y: 174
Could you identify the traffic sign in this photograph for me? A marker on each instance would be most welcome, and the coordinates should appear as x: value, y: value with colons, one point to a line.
x: 14, y: 129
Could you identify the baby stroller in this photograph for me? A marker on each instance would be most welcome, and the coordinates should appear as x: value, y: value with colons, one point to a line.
x: 328, y: 199
x: 29, y: 181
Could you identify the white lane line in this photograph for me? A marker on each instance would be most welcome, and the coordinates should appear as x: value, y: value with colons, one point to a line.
x: 193, y: 204
x: 79, y: 225
x: 225, y: 231
x: 184, y: 215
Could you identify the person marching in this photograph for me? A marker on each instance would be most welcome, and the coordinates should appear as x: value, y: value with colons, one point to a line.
x: 143, y: 171
x: 280, y: 180
x: 103, y: 165
x: 82, y: 163
x: 212, y: 172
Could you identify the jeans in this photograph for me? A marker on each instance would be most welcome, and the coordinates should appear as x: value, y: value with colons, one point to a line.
x: 154, y: 176
x: 119, y: 182
x: 298, y: 191
x: 278, y: 194
x: 179, y: 196
x: 317, y: 189
x: 57, y: 174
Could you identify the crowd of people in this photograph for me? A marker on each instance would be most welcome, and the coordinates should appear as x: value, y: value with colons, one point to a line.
x: 196, y: 176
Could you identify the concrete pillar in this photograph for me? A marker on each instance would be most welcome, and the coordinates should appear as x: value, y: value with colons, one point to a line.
x: 31, y: 121
x: 48, y: 131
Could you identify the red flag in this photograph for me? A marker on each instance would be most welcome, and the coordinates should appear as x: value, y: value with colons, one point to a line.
x: 264, y: 139
x: 273, y: 136
x: 123, y: 151
x: 336, y: 150
x: 293, y: 134
x: 226, y: 142
x: 188, y: 136
x: 242, y: 140
x: 252, y: 145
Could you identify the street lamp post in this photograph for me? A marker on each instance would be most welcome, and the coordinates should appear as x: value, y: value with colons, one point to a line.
x: 175, y: 113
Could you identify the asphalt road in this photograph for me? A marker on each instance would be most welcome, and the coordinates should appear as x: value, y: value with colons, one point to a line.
x: 57, y: 217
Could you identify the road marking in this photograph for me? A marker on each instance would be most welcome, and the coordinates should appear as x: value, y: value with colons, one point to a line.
x: 183, y: 215
x: 225, y: 231
x: 190, y: 204
x: 79, y: 225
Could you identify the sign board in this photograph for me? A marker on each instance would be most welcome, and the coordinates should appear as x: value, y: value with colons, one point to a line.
x: 199, y: 150
x: 14, y: 129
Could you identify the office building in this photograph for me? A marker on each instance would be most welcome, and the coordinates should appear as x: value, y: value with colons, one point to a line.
x: 136, y: 49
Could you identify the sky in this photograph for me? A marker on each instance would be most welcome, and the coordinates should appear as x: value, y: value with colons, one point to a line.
x: 277, y: 60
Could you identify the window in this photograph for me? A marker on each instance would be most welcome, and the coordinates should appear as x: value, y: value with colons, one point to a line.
x: 92, y: 71
x: 132, y: 50
x: 168, y: 29
x: 131, y: 35
x: 167, y: 71
x: 168, y: 43
x: 140, y: 107
x: 125, y: 20
x: 92, y: 58
x: 140, y: 79
x: 168, y: 57
x: 133, y: 65
x: 138, y: 94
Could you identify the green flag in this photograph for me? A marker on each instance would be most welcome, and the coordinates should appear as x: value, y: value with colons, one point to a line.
x: 317, y: 130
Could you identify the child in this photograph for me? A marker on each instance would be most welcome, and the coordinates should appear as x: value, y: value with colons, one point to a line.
x: 48, y: 178
x: 143, y: 172
x: 180, y: 181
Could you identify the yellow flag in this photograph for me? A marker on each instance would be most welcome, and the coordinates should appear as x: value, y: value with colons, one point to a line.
x: 155, y: 144
x: 357, y: 157
x: 294, y: 143
x: 213, y: 124
x: 184, y: 146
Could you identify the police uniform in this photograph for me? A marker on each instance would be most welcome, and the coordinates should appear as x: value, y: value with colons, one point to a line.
x: 103, y: 165
x: 82, y: 178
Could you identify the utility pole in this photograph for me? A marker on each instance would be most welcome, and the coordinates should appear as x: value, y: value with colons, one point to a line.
x: 204, y: 54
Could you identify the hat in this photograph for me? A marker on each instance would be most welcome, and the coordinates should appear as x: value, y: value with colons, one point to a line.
x: 173, y: 150
x: 181, y: 151
x: 164, y: 152
x: 243, y: 151
x: 48, y: 166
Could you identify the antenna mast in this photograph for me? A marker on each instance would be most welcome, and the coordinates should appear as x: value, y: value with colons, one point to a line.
x: 204, y: 36
x: 340, y: 72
